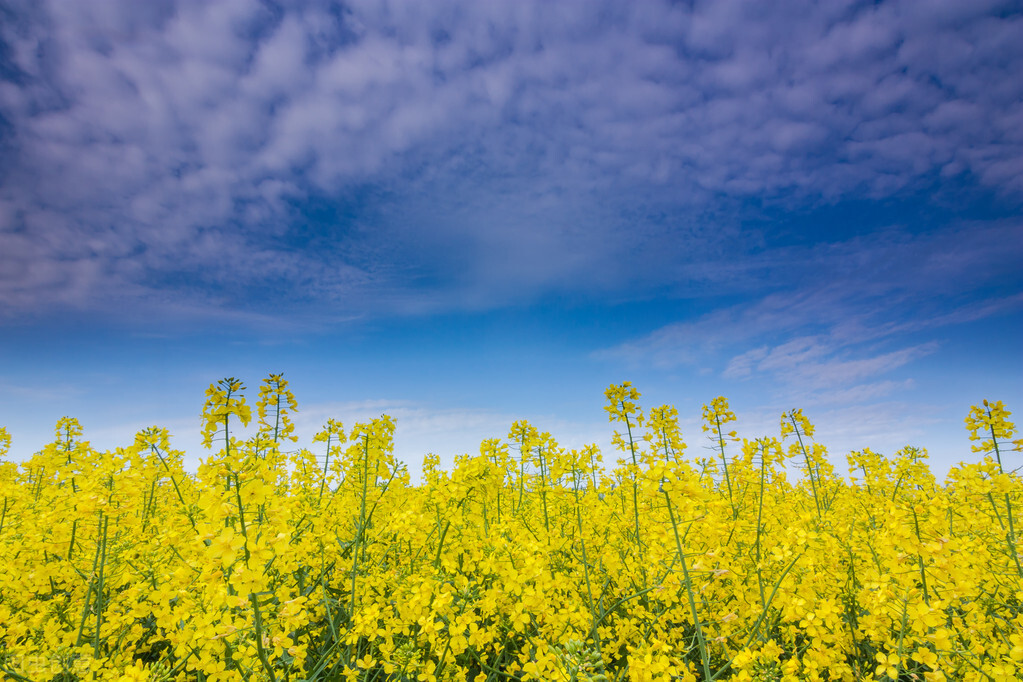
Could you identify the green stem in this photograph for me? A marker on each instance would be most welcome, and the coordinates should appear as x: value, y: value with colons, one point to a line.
x: 326, y: 460
x: 920, y: 558
x: 704, y: 657
x: 177, y: 489
x: 522, y: 469
x: 635, y: 483
x: 586, y: 563
x: 1010, y: 537
x: 71, y: 544
x: 260, y: 651
x: 99, y: 590
x: 92, y: 583
x: 755, y: 631
x: 760, y: 527
x: 724, y: 462
x: 543, y: 493
x: 360, y: 538
x: 809, y: 468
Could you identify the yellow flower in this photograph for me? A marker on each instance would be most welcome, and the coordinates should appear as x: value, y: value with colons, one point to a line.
x: 1017, y: 647
x: 135, y: 673
x: 889, y: 665
x: 925, y: 656
x: 225, y: 546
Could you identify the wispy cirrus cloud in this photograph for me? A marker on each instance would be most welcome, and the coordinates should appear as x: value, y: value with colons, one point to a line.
x: 846, y: 315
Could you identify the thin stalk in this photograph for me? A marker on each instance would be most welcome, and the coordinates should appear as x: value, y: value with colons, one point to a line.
x: 866, y: 481
x: 260, y: 651
x: 363, y: 520
x: 1010, y: 537
x: 920, y: 559
x: 326, y: 597
x: 71, y: 544
x: 522, y: 470
x: 99, y: 589
x: 902, y: 634
x: 360, y: 533
x: 227, y: 443
x: 852, y: 605
x: 486, y: 517
x: 500, y: 484
x: 809, y: 468
x: 664, y: 437
x: 241, y: 516
x: 177, y: 489
x: 724, y: 462
x: 326, y: 460
x: 440, y: 543
x: 635, y: 483
x: 760, y: 526
x: 755, y: 631
x: 277, y: 420
x: 149, y: 504
x: 704, y: 657
x: 586, y: 563
x: 39, y: 485
x: 92, y: 583
x: 543, y: 492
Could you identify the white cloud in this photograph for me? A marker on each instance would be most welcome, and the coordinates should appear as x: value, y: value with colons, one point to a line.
x: 172, y: 141
x: 860, y: 314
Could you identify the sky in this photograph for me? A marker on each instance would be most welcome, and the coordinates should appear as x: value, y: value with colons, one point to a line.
x: 464, y: 213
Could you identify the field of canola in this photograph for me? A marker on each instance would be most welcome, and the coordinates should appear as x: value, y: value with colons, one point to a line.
x: 754, y: 561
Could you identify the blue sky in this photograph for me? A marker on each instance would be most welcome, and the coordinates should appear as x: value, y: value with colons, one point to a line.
x: 468, y: 213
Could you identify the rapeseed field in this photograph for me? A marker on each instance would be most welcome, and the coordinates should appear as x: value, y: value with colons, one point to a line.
x: 754, y: 560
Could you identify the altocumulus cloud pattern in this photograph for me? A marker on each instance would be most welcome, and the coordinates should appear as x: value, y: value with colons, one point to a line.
x: 189, y: 156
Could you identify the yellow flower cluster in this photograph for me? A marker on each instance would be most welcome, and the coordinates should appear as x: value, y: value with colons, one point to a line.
x: 528, y: 561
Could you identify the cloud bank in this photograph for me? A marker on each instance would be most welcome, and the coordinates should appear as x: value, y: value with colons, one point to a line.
x: 194, y: 158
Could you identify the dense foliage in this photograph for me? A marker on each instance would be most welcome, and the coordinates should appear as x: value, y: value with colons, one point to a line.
x: 527, y: 561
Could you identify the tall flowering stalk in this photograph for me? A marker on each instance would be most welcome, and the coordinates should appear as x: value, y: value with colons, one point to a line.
x: 795, y: 423
x: 622, y: 408
x: 989, y: 424
x: 715, y: 416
